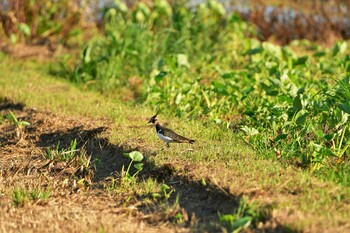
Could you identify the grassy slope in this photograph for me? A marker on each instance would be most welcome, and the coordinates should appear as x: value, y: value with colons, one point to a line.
x: 219, y: 157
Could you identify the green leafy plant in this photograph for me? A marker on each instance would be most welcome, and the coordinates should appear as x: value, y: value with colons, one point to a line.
x: 164, y: 193
x: 75, y: 161
x: 19, y: 124
x: 62, y: 154
x: 21, y: 196
x: 137, y: 157
x: 245, y: 216
x: 37, y: 194
x: 13, y: 119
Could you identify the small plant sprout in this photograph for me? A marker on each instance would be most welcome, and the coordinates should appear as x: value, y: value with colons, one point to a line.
x: 135, y: 156
x: 165, y: 192
x: 19, y: 124
x: 22, y: 196
x: 19, y: 197
x: 246, y: 215
x: 62, y: 154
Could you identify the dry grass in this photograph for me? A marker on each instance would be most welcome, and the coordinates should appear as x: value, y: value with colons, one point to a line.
x: 77, y: 201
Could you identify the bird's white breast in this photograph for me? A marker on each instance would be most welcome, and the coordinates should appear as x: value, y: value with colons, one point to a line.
x: 164, y: 138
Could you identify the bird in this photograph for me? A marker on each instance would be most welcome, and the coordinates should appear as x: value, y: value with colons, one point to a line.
x: 167, y: 135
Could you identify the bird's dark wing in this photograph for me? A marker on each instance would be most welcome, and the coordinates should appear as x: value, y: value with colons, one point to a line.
x: 176, y: 137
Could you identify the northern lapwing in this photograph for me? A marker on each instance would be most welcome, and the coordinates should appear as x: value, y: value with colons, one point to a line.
x: 167, y: 135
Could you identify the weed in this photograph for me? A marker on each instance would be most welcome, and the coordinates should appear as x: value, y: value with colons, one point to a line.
x: 62, y: 154
x: 52, y: 153
x: 19, y: 124
x: 135, y: 156
x: 75, y: 161
x: 21, y: 196
x: 164, y: 193
x: 37, y: 194
x: 245, y: 216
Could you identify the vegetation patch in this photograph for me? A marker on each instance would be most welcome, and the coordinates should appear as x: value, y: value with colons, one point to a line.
x: 176, y: 188
x: 204, y: 63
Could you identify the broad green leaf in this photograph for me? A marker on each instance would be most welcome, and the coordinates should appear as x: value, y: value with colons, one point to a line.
x: 254, y: 51
x: 228, y: 75
x: 322, y: 150
x: 280, y: 137
x: 243, y: 222
x: 293, y: 90
x: 329, y: 137
x: 270, y: 90
x: 136, y: 156
x: 220, y: 88
x: 297, y: 106
x: 156, y: 195
x: 164, y: 187
x: 159, y: 77
x: 24, y: 123
x: 339, y: 47
x: 24, y: 28
x: 319, y: 133
x: 301, y: 119
x: 345, y: 107
x: 272, y: 49
x: 300, y: 61
x: 227, y: 218
x: 138, y: 166
x: 319, y: 54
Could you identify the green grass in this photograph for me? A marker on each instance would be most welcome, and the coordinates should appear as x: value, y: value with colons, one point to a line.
x: 245, y: 215
x: 219, y: 156
x: 62, y: 154
x: 21, y: 196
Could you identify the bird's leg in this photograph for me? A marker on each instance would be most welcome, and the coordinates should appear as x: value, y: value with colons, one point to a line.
x: 168, y: 145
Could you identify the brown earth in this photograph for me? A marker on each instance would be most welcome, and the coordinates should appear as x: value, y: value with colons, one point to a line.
x: 80, y: 200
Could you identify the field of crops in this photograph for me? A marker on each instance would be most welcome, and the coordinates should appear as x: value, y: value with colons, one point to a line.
x: 270, y: 123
